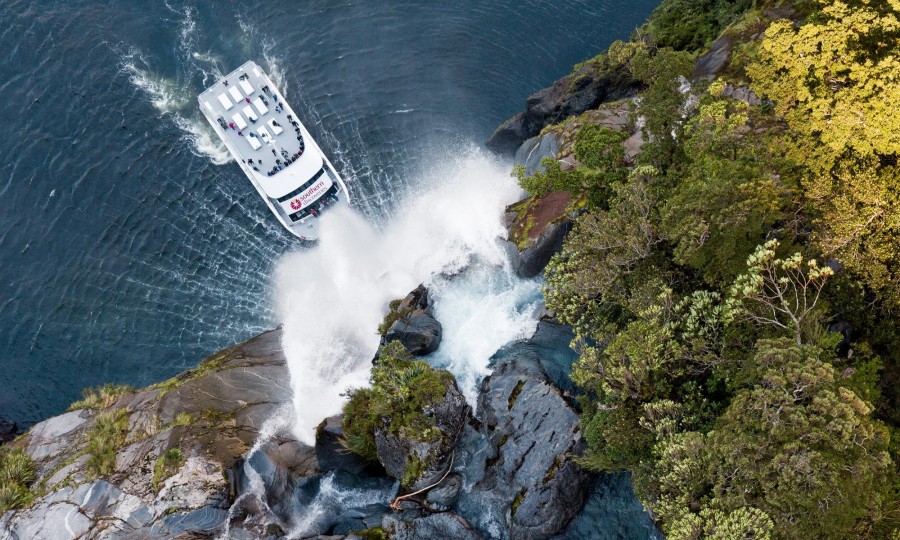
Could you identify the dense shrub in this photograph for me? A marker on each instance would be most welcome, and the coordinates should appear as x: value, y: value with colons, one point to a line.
x: 401, y: 392
x: 688, y: 25
x: 708, y: 292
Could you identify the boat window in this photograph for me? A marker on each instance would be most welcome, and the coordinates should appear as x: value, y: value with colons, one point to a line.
x: 302, y: 188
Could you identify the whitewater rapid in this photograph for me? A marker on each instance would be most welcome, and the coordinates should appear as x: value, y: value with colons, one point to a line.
x: 447, y: 234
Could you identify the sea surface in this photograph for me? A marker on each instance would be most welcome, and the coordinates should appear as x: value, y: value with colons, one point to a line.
x: 132, y: 247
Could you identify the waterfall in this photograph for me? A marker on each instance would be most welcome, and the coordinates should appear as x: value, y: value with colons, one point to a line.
x: 448, y: 232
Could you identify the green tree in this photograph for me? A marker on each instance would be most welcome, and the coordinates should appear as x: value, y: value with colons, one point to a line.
x: 782, y: 293
x: 799, y: 447
x: 688, y: 25
x: 858, y: 223
x: 662, y: 104
x: 726, y: 201
x: 603, y: 250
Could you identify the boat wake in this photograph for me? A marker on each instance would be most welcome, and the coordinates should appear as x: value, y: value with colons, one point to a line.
x: 332, y: 298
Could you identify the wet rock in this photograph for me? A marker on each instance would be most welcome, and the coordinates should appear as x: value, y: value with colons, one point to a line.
x: 444, y: 496
x: 532, y: 261
x: 330, y: 453
x: 416, y: 329
x: 419, y: 332
x: 572, y: 95
x: 443, y: 525
x: 534, y: 150
x: 531, y: 485
x: 397, y: 452
x: 612, y: 502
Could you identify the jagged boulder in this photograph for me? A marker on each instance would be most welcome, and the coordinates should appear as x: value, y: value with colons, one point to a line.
x: 530, y: 484
x: 419, y: 463
x: 415, y: 326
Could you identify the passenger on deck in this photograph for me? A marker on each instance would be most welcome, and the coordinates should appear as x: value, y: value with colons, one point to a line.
x: 231, y: 125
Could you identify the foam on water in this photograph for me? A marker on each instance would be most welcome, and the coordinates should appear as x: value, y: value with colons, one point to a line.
x: 332, y: 298
x: 481, y: 310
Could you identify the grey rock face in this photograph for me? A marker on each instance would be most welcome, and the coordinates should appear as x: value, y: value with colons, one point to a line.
x: 534, y: 150
x: 444, y: 496
x: 715, y: 60
x: 396, y: 452
x: 418, y: 330
x: 220, y: 407
x: 571, y: 95
x: 532, y: 261
x: 531, y: 485
x: 445, y: 525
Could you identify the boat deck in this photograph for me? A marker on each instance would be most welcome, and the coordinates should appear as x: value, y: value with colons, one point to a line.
x: 255, y: 120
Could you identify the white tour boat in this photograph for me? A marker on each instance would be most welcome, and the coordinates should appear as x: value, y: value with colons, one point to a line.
x: 274, y: 149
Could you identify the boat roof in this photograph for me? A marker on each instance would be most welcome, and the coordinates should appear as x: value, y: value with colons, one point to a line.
x: 244, y: 104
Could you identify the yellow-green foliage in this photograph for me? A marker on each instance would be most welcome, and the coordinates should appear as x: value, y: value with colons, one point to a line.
x: 105, y: 438
x: 167, y: 465
x: 16, y: 475
x: 101, y: 397
x: 401, y: 394
x: 183, y: 419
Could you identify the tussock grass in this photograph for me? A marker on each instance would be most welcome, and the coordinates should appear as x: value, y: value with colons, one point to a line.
x: 167, y: 465
x: 101, y: 397
x: 105, y: 438
x: 16, y: 475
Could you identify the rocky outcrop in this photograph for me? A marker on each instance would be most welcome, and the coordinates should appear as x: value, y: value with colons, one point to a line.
x: 443, y: 525
x: 531, y: 483
x: 534, y: 150
x: 533, y: 259
x: 582, y: 90
x: 211, y: 415
x: 422, y: 463
x: 416, y: 328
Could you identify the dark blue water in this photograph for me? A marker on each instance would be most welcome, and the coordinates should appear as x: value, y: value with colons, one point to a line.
x: 128, y: 251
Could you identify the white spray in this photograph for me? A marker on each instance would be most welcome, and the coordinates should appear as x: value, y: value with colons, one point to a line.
x: 332, y: 298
